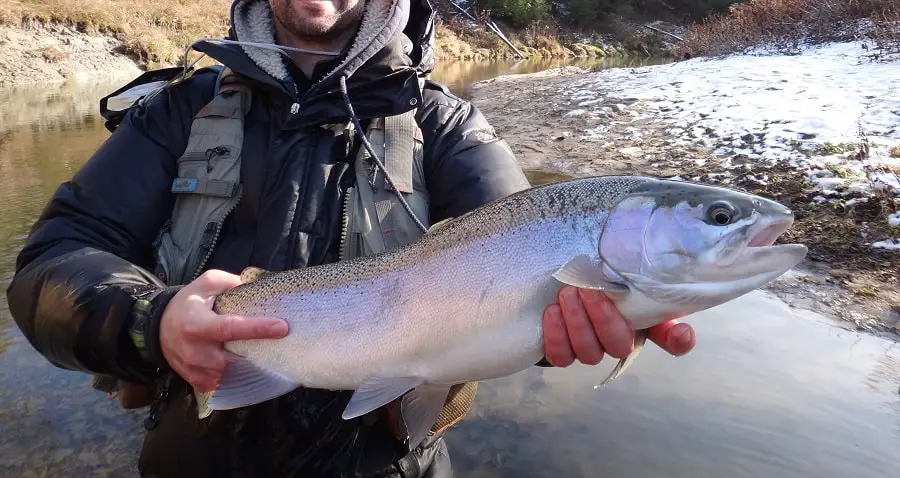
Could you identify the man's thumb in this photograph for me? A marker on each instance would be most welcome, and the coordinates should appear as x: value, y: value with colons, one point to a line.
x: 215, y: 282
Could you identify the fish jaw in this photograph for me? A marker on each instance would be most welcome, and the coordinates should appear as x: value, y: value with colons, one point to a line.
x: 652, y: 302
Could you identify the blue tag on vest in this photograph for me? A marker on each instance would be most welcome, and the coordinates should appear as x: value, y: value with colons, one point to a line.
x: 184, y: 185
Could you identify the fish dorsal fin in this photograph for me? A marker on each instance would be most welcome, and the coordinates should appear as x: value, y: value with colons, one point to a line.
x: 250, y: 274
x: 583, y: 273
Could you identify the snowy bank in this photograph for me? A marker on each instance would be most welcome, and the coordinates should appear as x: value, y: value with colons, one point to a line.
x: 831, y: 111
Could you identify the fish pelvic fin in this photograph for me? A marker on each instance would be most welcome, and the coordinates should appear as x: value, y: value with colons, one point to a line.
x: 420, y: 408
x: 377, y: 392
x: 640, y: 338
x: 250, y: 274
x: 583, y: 273
x: 245, y: 383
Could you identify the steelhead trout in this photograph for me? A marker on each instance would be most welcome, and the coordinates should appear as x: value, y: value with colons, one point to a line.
x: 465, y: 302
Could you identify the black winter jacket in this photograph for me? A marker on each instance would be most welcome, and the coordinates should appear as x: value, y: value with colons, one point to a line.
x: 90, y: 254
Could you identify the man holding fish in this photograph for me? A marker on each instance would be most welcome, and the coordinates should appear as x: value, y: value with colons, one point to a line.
x: 270, y: 167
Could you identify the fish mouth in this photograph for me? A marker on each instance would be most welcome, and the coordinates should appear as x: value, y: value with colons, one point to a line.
x: 760, y: 254
x: 769, y: 232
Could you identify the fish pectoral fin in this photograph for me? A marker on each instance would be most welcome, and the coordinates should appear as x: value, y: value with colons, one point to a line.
x: 250, y: 274
x: 640, y: 338
x: 377, y: 392
x: 420, y: 409
x: 245, y: 383
x: 583, y: 273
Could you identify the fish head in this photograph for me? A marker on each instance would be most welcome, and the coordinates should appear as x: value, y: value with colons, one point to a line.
x: 681, y: 247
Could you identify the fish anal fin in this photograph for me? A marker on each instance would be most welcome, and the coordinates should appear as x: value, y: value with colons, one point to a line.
x: 250, y: 274
x: 377, y: 392
x: 640, y: 338
x: 583, y: 273
x: 244, y: 383
x: 420, y: 409
x: 202, y: 399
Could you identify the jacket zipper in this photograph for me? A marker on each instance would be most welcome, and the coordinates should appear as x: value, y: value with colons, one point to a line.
x: 212, y: 245
x: 345, y: 223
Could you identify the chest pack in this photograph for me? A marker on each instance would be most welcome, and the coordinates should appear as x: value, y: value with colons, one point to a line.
x: 208, y: 188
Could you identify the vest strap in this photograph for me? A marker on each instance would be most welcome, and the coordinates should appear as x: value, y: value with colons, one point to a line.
x: 206, y: 187
x: 401, y: 133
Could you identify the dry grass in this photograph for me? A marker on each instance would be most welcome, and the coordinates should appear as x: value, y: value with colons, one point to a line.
x: 155, y: 32
x: 895, y: 152
x: 789, y: 24
x: 456, y: 39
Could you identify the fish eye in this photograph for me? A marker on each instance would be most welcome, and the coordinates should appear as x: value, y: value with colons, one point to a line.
x: 721, y: 214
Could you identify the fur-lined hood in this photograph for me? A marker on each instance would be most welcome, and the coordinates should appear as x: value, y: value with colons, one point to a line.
x: 252, y: 21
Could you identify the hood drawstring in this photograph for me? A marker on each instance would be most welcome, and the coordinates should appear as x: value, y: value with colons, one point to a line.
x: 185, y: 66
x: 368, y: 146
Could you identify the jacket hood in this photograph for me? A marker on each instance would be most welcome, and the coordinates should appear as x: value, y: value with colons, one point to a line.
x: 382, y: 21
x: 392, y: 47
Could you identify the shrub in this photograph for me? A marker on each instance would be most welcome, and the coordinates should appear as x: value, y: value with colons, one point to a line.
x: 788, y: 24
x: 518, y: 12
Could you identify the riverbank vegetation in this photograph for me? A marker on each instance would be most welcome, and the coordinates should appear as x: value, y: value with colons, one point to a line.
x: 156, y: 33
x: 789, y: 25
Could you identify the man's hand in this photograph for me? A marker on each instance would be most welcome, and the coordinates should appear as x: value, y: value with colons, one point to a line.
x: 191, y: 335
x: 585, y: 324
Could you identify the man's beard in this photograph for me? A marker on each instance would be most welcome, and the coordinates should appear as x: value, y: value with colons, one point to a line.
x: 316, y: 30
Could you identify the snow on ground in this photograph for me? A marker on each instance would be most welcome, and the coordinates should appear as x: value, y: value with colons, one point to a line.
x: 894, y: 219
x: 813, y: 110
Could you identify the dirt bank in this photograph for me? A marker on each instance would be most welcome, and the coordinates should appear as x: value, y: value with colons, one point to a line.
x: 843, y: 277
x: 83, y: 43
x: 33, y: 53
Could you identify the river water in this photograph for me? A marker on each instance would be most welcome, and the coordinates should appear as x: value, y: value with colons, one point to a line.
x: 768, y: 392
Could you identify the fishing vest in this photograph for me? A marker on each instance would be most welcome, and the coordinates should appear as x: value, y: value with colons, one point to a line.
x: 208, y: 188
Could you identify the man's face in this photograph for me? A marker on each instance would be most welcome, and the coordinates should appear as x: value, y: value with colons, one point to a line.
x: 317, y: 19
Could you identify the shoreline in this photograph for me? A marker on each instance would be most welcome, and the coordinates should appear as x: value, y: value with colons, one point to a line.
x: 566, y: 122
x: 36, y: 52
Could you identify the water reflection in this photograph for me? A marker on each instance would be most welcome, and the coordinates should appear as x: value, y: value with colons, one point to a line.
x: 768, y: 392
x: 460, y: 75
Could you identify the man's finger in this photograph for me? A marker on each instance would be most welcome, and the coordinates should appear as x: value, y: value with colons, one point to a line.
x: 674, y: 337
x: 225, y: 328
x: 581, y: 333
x: 556, y: 340
x: 614, y: 333
x: 235, y: 327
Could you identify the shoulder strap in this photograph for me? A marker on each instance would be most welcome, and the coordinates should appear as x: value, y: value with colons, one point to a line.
x: 375, y: 219
x: 208, y: 185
